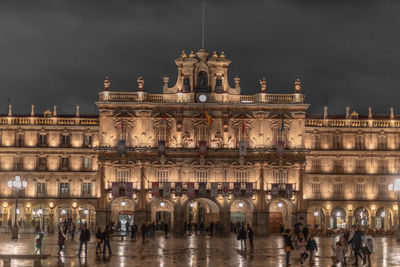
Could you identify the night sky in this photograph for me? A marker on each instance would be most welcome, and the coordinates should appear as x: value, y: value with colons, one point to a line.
x: 346, y: 52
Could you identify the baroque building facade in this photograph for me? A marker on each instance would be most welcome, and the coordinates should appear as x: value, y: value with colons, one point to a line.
x: 201, y: 152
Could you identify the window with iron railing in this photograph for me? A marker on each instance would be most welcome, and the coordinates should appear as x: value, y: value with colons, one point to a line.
x: 338, y: 191
x: 64, y: 162
x: 242, y: 176
x: 42, y: 163
x: 123, y: 175
x: 41, y: 189
x: 316, y: 190
x: 162, y: 175
x: 360, y: 192
x: 87, y: 163
x: 280, y: 177
x: 86, y: 189
x: 64, y: 189
x: 383, y: 191
x: 87, y: 141
x: 65, y: 142
x: 42, y: 139
x: 202, y: 176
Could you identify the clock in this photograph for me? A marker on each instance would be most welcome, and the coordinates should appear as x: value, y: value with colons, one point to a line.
x: 202, y: 98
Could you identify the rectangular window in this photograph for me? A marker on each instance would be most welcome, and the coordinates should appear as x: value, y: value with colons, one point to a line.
x: 64, y: 162
x: 43, y: 139
x: 42, y: 163
x: 201, y: 176
x: 360, y: 190
x: 383, y: 190
x: 87, y: 140
x: 162, y: 132
x: 338, y: 190
x: 162, y: 175
x: 65, y: 140
x: 41, y: 188
x: 87, y: 163
x: 242, y: 176
x: 86, y: 189
x: 280, y: 177
x: 64, y: 188
x: 123, y: 175
x: 315, y: 189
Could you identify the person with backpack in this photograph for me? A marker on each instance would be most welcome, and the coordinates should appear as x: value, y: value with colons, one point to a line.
x: 99, y: 239
x: 84, y: 238
x: 288, y: 245
x: 311, y: 247
x: 39, y: 240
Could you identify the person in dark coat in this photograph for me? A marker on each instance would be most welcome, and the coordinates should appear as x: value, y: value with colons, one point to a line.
x: 242, y: 237
x: 356, y: 243
x: 311, y: 247
x: 250, y: 234
x: 133, y: 231
x: 84, y: 238
x: 305, y: 232
x: 61, y: 241
x: 143, y: 229
x: 166, y: 229
x: 99, y: 239
x: 106, y: 238
x: 288, y: 245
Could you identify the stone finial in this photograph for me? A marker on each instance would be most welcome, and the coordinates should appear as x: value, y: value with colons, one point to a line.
x: 165, y: 82
x: 183, y: 54
x: 391, y: 113
x: 9, y: 110
x: 33, y: 110
x: 140, y: 83
x: 263, y: 84
x: 192, y: 54
x: 347, y: 112
x: 107, y: 83
x: 297, y: 86
x: 222, y: 55
x: 77, y: 111
x: 325, y: 112
x: 237, y: 82
x: 55, y: 111
x: 214, y: 54
x: 369, y: 113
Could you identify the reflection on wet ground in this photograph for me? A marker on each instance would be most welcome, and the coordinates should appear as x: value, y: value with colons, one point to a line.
x: 202, y: 250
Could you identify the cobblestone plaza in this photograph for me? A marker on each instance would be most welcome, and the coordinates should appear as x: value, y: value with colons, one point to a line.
x: 201, y: 250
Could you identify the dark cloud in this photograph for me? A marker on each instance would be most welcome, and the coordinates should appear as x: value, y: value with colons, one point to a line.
x: 58, y: 52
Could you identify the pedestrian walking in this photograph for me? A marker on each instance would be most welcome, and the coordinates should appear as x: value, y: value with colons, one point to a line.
x: 305, y: 232
x: 106, y: 240
x: 250, y: 235
x: 39, y: 240
x: 356, y: 243
x: 143, y: 229
x: 288, y: 245
x: 99, y: 240
x: 343, y: 242
x: 84, y: 238
x: 311, y: 247
x: 242, y: 237
x: 72, y: 232
x: 367, y: 250
x: 165, y: 229
x: 340, y: 254
x: 133, y: 231
x: 61, y: 241
x: 301, y: 246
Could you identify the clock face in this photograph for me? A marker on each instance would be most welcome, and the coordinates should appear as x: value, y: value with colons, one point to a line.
x: 202, y: 98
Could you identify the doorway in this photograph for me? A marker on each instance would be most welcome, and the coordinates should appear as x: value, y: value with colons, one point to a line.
x: 275, y: 222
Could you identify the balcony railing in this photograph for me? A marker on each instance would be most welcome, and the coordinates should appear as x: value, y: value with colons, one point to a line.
x: 311, y: 122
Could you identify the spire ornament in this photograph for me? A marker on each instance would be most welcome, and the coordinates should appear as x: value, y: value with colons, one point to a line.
x: 107, y: 83
x: 297, y: 86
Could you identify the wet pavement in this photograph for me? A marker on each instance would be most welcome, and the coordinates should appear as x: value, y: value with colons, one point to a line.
x: 201, y: 250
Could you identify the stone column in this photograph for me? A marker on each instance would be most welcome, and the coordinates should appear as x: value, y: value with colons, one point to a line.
x: 178, y: 218
x: 349, y: 221
x: 4, y: 217
x: 102, y: 213
x: 261, y: 212
x: 225, y: 217
x: 51, y: 221
x: 141, y: 214
x: 373, y: 222
x: 327, y: 222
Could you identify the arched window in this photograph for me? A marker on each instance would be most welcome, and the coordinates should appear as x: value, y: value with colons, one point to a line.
x: 218, y: 85
x: 186, y: 85
x: 202, y: 82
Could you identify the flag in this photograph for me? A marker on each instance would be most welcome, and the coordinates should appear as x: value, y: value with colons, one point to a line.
x: 129, y: 189
x: 154, y: 189
x: 207, y: 117
x: 202, y: 189
x: 225, y: 189
x: 178, y: 189
x: 289, y: 190
x: 190, y: 190
x: 166, y: 189
x: 236, y: 189
x: 249, y: 189
x: 274, y: 190
x: 202, y: 147
x: 122, y: 125
x: 243, y: 126
x: 165, y: 121
x: 214, y: 190
x: 121, y: 147
x: 282, y: 126
x: 115, y: 189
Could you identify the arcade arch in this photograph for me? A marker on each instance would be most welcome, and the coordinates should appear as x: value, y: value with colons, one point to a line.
x: 201, y: 210
x: 122, y: 212
x: 280, y: 213
x: 338, y: 218
x: 361, y: 217
x: 241, y: 212
x: 384, y: 219
x: 316, y: 217
x: 162, y: 211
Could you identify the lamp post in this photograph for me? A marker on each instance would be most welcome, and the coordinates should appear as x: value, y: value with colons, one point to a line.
x: 397, y: 190
x: 16, y: 185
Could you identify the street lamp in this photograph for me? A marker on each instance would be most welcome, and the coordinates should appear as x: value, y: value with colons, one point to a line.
x: 16, y: 185
x: 397, y: 189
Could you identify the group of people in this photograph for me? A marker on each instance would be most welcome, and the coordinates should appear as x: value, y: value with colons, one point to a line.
x: 304, y: 243
x: 360, y: 246
x: 243, y: 234
x: 193, y: 227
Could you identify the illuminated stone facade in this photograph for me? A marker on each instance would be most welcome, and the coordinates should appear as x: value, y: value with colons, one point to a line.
x: 302, y: 168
